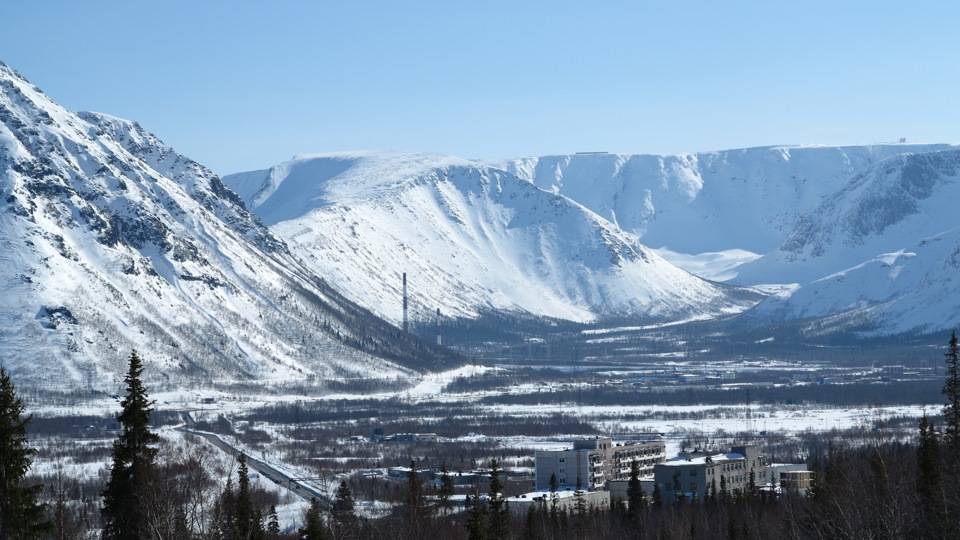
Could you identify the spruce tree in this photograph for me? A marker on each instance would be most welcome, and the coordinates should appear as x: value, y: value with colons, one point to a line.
x: 446, y: 488
x: 636, y: 501
x: 951, y: 389
x: 21, y: 515
x: 313, y: 523
x: 499, y: 515
x: 273, y: 522
x: 124, y: 511
x: 554, y: 503
x: 415, y: 510
x: 951, y: 434
x: 476, y: 517
x: 343, y: 513
x: 247, y: 518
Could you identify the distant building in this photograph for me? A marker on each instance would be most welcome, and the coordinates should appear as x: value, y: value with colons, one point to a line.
x: 618, y: 489
x: 796, y: 480
x: 790, y: 477
x: 378, y: 436
x: 565, y: 500
x: 412, y: 437
x: 594, y: 462
x: 694, y: 475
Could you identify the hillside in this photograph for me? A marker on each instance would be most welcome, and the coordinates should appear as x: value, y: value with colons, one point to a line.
x: 471, y: 238
x: 113, y: 241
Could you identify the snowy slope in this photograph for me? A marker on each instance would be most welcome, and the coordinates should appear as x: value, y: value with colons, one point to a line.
x: 843, y: 221
x: 109, y: 240
x: 884, y: 249
x: 709, y: 202
x: 470, y: 238
x: 882, y: 209
x: 915, y: 289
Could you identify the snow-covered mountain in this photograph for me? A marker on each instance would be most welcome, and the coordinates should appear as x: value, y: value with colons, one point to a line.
x: 709, y: 202
x: 110, y: 240
x: 911, y: 290
x: 853, y: 232
x: 470, y: 238
x: 883, y: 248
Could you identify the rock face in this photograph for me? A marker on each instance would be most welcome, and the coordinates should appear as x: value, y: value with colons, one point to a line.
x: 110, y: 240
x: 883, y: 250
x: 471, y: 238
x: 746, y: 199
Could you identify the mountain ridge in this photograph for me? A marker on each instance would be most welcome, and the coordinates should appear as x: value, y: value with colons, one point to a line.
x: 466, y: 220
x: 103, y: 253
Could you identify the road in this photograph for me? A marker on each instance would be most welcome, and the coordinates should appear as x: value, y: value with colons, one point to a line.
x: 268, y: 471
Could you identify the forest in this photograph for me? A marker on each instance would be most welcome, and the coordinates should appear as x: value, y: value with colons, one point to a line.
x: 884, y: 487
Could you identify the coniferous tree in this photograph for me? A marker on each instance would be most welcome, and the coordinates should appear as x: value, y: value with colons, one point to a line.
x: 951, y: 389
x: 657, y: 496
x: 554, y: 503
x: 636, y: 501
x: 226, y: 511
x: 313, y: 523
x: 415, y: 511
x: 499, y: 514
x: 476, y: 517
x: 247, y: 518
x: 273, y: 522
x: 530, y: 525
x: 951, y: 434
x: 21, y: 515
x: 446, y: 488
x: 343, y: 513
x: 124, y: 513
x: 580, y: 510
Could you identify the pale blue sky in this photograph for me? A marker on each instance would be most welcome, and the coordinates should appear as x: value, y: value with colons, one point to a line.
x: 245, y: 85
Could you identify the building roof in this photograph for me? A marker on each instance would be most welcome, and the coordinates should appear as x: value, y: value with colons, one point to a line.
x: 703, y: 459
x: 544, y: 493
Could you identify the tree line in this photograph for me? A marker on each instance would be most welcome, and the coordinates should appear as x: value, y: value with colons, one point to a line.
x: 887, y: 490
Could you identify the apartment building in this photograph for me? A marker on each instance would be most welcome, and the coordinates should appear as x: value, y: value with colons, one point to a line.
x: 594, y: 462
x: 695, y: 475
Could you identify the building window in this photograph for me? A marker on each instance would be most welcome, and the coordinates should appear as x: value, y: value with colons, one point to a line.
x: 693, y: 486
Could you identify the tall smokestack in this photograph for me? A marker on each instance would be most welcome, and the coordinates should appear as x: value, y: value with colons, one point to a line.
x: 439, y: 339
x: 404, y: 302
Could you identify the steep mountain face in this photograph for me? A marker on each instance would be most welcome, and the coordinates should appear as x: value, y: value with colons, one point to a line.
x: 882, y: 209
x: 470, y: 238
x: 112, y: 241
x: 883, y: 248
x: 854, y: 231
x: 707, y: 202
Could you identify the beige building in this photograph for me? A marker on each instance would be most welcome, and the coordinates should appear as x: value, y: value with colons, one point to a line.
x: 594, y: 462
x: 796, y: 480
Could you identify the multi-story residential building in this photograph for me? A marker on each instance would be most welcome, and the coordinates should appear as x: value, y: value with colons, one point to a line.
x: 593, y: 462
x: 695, y: 475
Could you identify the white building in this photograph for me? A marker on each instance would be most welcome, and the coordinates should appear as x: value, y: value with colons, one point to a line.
x: 695, y: 475
x: 593, y: 462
